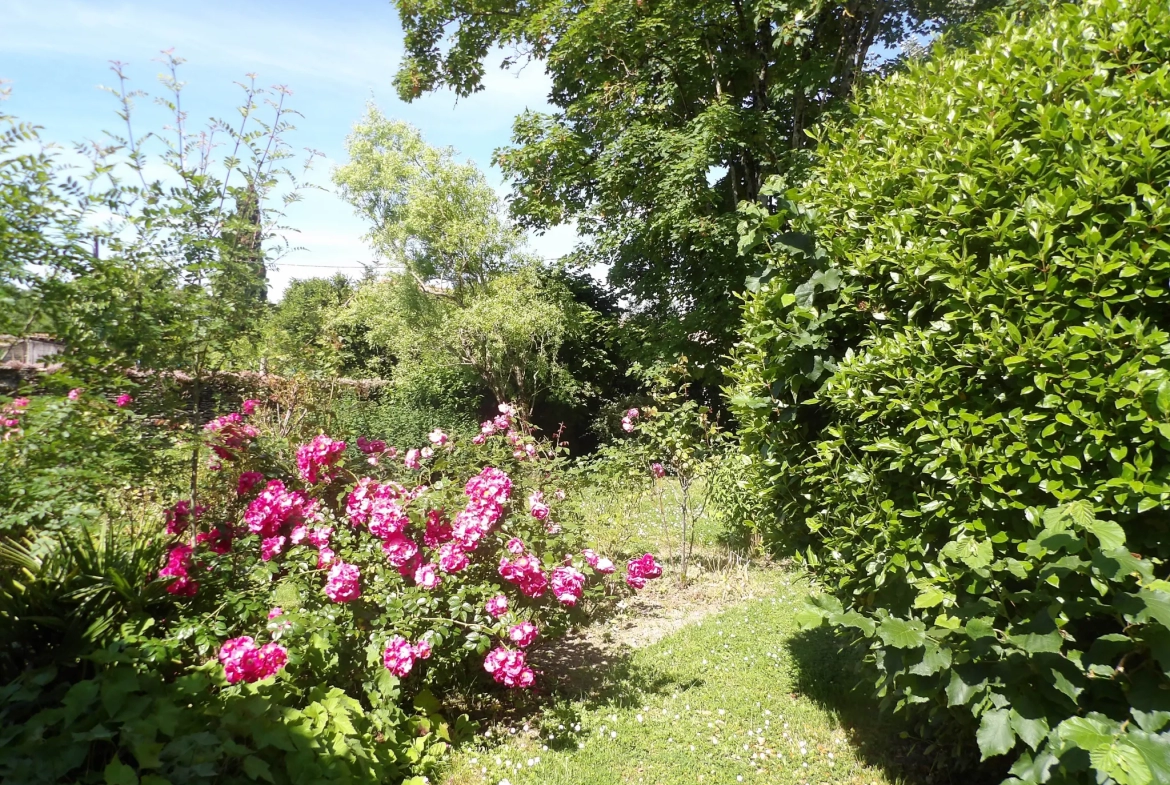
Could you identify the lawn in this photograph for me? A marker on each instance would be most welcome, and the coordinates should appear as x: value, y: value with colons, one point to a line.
x: 726, y: 699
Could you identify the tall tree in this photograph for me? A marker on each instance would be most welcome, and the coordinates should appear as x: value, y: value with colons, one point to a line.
x: 669, y: 114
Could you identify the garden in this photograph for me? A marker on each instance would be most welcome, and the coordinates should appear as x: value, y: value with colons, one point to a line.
x: 855, y: 468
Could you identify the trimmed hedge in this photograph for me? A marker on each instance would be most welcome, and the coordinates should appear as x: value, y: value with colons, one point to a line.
x: 954, y: 378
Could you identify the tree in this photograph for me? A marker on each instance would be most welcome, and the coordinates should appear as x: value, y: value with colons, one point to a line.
x: 669, y: 114
x: 433, y: 218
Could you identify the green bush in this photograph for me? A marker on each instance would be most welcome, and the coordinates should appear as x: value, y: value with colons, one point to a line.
x: 126, y: 724
x: 954, y: 380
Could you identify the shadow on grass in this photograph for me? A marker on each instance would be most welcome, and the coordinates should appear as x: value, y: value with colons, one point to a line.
x: 576, y: 676
x: 831, y: 675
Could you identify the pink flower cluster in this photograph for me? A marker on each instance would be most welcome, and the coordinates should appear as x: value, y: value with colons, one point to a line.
x: 244, y: 661
x: 628, y: 420
x: 124, y: 400
x: 568, y: 585
x: 437, y: 437
x: 438, y: 530
x: 378, y: 506
x: 411, y: 460
x: 374, y: 449
x: 507, y: 667
x: 231, y: 435
x: 399, y: 655
x: 178, y: 566
x: 249, y: 406
x: 537, y: 506
x: 248, y: 481
x: 526, y: 573
x: 344, y: 582
x: 523, y: 634
x: 315, y: 460
x: 500, y: 423
x: 497, y: 606
x: 657, y: 470
x: 217, y: 540
x: 641, y: 569
x: 599, y: 563
x: 487, y: 492
x: 10, y: 413
x: 276, y: 509
x: 179, y: 517
x: 75, y: 394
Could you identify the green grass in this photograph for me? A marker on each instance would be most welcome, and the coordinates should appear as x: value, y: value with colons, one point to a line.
x: 726, y: 700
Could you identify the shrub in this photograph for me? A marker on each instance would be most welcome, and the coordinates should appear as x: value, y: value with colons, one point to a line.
x: 955, y: 380
x: 310, y: 599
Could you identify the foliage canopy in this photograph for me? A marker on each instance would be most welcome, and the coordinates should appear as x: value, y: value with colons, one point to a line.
x: 954, y: 378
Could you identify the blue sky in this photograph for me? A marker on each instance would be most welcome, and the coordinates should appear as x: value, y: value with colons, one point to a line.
x: 335, y: 57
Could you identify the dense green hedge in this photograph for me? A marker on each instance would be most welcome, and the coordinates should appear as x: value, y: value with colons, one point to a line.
x: 955, y: 379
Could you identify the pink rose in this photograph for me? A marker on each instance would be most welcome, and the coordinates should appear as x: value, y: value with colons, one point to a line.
x: 344, y: 582
x: 497, y: 606
x: 426, y: 577
x: 523, y: 634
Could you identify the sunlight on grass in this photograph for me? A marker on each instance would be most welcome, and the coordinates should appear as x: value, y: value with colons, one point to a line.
x: 712, y: 703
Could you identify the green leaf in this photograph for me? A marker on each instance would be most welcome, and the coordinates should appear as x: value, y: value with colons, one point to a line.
x: 1157, y: 605
x: 959, y: 692
x: 118, y: 773
x: 980, y: 628
x: 1031, y: 730
x: 1123, y: 762
x: 1089, y: 733
x: 995, y: 735
x: 1034, y: 643
x: 1109, y: 534
x: 902, y: 633
x: 257, y: 769
x: 1155, y: 752
x: 928, y: 598
x: 1163, y: 397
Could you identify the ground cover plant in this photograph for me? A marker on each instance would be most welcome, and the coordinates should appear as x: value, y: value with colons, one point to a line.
x: 954, y: 383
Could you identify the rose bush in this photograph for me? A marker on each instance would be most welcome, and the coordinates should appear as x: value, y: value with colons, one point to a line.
x: 453, y: 551
x: 320, y: 572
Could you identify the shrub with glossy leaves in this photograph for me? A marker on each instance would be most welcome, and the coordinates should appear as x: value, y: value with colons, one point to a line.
x: 955, y: 380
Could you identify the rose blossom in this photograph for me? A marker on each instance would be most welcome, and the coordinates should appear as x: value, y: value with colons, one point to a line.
x: 497, y: 606
x: 248, y: 481
x: 272, y: 546
x: 249, y: 406
x: 437, y: 437
x: 527, y: 573
x: 277, y: 611
x: 315, y: 460
x: 343, y: 584
x: 74, y: 394
x: 426, y: 577
x: 507, y: 667
x: 567, y: 585
x: 452, y: 558
x: 438, y: 530
x: 411, y: 460
x: 523, y: 634
x: 537, y: 506
x: 243, y: 661
x: 124, y: 400
x: 515, y: 546
x: 399, y: 549
x: 639, y: 570
x: 657, y: 470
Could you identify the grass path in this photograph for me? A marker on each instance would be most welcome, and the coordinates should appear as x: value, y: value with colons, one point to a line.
x: 724, y: 699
